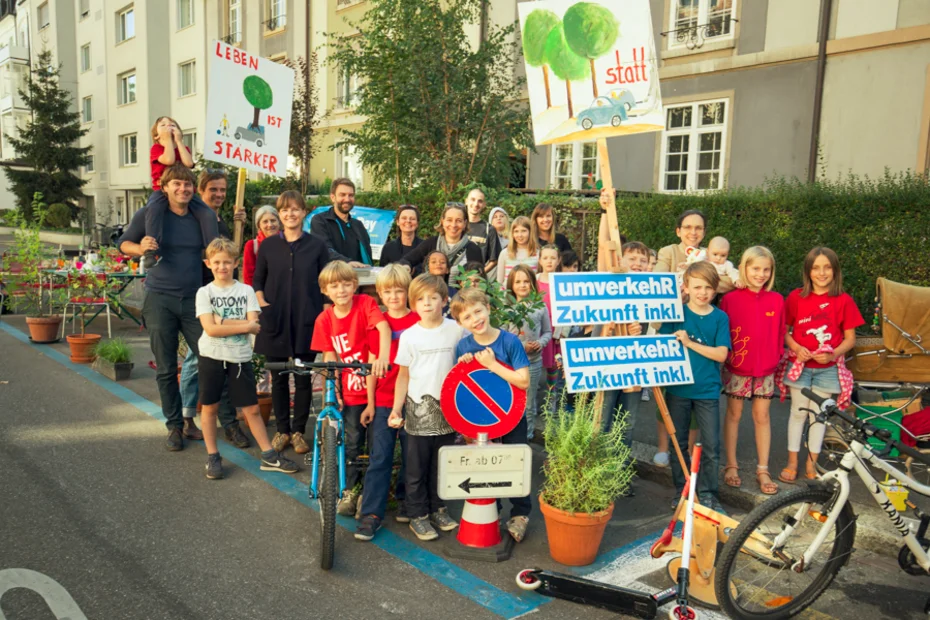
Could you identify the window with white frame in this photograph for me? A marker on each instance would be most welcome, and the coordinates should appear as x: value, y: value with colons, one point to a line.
x: 44, y: 15
x: 185, y: 13
x: 125, y: 24
x: 186, y: 79
x: 128, y: 156
x: 89, y: 166
x: 84, y: 8
x: 126, y: 88
x: 189, y: 139
x: 85, y: 58
x: 574, y: 166
x: 87, y: 109
x: 233, y: 21
x: 694, y: 146
x: 346, y: 89
x: 349, y: 165
x: 277, y: 14
x: 710, y: 19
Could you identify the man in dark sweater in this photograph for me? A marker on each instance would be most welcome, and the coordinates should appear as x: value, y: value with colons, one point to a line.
x: 171, y: 286
x: 344, y: 235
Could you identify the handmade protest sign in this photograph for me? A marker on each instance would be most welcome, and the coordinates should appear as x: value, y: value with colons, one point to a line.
x: 377, y: 222
x: 248, y: 110
x: 591, y: 69
x: 600, y: 298
x: 625, y: 361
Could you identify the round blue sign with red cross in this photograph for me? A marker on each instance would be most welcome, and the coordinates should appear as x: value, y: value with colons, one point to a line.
x: 475, y: 400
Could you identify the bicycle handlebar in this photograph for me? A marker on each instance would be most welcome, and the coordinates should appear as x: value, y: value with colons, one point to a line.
x: 298, y: 366
x: 829, y: 407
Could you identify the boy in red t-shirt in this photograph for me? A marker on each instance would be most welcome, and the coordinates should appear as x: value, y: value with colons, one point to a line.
x: 392, y: 284
x: 341, y: 333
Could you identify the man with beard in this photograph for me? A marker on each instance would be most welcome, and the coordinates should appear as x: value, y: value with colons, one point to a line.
x: 345, y: 236
x: 480, y: 232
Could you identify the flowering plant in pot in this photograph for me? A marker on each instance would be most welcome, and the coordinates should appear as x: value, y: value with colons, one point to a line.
x: 86, y: 291
x: 585, y: 471
x: 114, y: 359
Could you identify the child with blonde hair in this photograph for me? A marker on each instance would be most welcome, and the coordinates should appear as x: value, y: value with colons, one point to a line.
x: 522, y: 250
x: 718, y: 250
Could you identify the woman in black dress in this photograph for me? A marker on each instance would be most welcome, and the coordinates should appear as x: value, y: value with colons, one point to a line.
x: 544, y: 224
x: 286, y: 282
x: 407, y: 220
x: 451, y: 241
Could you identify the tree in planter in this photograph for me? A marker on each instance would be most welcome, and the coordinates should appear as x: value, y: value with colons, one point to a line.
x: 48, y: 144
x: 438, y: 111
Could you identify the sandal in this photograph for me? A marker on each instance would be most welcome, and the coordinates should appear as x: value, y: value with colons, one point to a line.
x: 732, y: 480
x: 788, y: 476
x: 767, y: 488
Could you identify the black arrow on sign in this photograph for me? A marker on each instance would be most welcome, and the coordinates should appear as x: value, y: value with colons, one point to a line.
x: 468, y: 485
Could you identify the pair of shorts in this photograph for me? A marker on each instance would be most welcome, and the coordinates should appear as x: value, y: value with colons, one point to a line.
x: 213, y: 374
x: 748, y: 388
x: 826, y: 380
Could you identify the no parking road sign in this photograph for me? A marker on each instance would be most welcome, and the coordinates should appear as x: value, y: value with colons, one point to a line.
x: 475, y: 400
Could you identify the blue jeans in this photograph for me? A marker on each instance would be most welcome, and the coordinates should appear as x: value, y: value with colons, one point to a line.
x: 519, y: 506
x: 190, y: 393
x: 707, y: 414
x: 381, y: 441
x: 616, y: 404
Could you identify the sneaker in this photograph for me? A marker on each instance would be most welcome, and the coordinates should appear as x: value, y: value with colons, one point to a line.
x: 423, y: 530
x: 214, y: 467
x: 347, y: 504
x: 174, y: 443
x: 401, y: 516
x: 442, y: 520
x: 645, y: 396
x: 674, y: 503
x: 150, y: 259
x: 280, y: 441
x: 709, y: 500
x: 236, y: 437
x: 299, y: 443
x: 367, y: 527
x: 516, y: 527
x: 660, y: 459
x: 279, y: 463
x: 190, y: 430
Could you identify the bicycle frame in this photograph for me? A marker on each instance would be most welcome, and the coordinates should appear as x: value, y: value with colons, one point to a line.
x: 854, y: 460
x: 329, y: 415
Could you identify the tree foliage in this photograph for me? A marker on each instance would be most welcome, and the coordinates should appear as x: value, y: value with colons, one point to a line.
x: 590, y: 31
x: 305, y: 115
x: 47, y: 146
x: 438, y: 110
x: 259, y: 94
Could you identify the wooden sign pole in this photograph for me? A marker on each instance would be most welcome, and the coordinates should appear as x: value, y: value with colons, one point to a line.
x: 240, y: 201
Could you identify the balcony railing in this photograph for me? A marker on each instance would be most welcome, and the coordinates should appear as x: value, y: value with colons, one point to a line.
x: 276, y: 23
x: 694, y: 36
x: 232, y: 38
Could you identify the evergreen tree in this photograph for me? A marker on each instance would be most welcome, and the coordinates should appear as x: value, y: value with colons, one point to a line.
x: 48, y: 144
x: 439, y: 109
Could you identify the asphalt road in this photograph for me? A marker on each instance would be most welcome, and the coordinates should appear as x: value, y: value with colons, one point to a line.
x: 89, y: 498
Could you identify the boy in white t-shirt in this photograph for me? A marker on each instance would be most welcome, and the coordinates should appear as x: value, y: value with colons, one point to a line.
x: 425, y: 355
x: 228, y: 311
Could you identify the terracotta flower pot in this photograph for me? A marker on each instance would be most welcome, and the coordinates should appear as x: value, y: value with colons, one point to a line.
x: 574, y: 538
x: 43, y: 329
x: 264, y: 406
x: 82, y: 348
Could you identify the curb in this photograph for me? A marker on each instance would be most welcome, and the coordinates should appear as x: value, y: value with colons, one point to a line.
x: 873, y: 530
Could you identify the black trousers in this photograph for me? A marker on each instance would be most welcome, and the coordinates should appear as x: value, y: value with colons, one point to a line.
x: 355, y: 438
x: 519, y: 506
x: 422, y: 472
x: 281, y: 400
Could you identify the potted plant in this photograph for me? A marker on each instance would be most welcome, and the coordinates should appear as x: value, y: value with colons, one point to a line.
x: 114, y: 359
x: 585, y: 471
x: 86, y: 290
x: 262, y: 386
x: 32, y: 292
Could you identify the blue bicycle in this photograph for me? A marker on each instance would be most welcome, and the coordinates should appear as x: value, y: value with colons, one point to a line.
x: 327, y: 482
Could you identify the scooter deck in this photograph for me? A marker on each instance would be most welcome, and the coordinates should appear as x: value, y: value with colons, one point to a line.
x: 602, y: 595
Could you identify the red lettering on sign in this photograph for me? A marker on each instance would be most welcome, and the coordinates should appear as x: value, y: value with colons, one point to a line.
x: 268, y: 163
x: 237, y: 56
x: 632, y: 72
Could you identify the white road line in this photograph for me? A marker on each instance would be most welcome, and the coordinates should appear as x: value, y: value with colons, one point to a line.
x: 56, y: 597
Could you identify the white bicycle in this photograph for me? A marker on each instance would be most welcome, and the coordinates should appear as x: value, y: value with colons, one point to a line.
x: 809, y: 532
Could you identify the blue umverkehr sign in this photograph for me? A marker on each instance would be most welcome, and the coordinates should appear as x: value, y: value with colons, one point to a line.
x: 377, y: 222
x: 599, y: 298
x: 620, y: 362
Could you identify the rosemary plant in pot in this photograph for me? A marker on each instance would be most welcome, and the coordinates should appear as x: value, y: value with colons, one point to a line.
x: 585, y: 471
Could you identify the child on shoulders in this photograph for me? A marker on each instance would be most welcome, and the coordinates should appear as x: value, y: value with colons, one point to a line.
x: 341, y: 334
x: 228, y: 311
x: 493, y: 347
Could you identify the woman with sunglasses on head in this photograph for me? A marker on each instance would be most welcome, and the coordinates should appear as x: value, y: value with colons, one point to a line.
x: 407, y: 220
x: 451, y: 241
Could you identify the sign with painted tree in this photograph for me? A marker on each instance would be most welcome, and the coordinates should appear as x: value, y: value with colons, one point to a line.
x: 591, y: 69
x: 248, y: 110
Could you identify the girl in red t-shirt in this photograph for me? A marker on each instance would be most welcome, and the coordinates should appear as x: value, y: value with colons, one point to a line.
x: 757, y: 332
x: 822, y: 322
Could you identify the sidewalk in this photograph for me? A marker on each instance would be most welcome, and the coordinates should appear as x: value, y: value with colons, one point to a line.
x: 875, y: 532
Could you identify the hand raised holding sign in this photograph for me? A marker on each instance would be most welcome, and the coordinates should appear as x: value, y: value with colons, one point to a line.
x: 486, y: 358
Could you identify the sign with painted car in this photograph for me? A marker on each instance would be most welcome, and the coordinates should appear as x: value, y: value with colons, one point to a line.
x: 248, y: 110
x: 600, y: 298
x: 591, y: 69
x: 622, y: 362
x: 377, y: 222
x: 476, y: 472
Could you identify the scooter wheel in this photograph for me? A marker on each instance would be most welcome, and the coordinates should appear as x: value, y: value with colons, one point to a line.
x: 527, y: 579
x: 682, y: 613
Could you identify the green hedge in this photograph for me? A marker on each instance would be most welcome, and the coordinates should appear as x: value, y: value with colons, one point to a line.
x: 878, y: 227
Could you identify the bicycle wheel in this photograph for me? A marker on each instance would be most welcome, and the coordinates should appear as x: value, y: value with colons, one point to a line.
x: 329, y: 495
x: 917, y: 470
x: 750, y: 587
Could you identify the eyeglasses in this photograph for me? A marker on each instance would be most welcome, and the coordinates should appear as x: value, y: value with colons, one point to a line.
x: 455, y: 204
